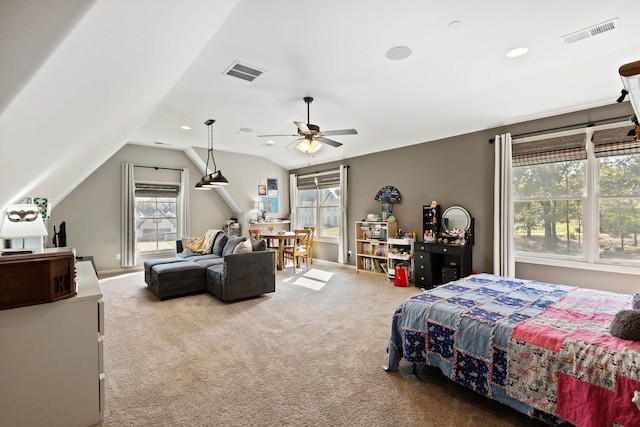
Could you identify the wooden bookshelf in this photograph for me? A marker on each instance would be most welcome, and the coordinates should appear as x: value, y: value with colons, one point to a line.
x: 372, y: 247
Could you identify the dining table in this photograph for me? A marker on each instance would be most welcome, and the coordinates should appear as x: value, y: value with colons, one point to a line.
x: 278, y: 239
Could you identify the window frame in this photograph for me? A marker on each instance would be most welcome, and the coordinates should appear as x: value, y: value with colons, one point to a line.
x: 591, y: 218
x: 143, y: 255
x: 319, y: 207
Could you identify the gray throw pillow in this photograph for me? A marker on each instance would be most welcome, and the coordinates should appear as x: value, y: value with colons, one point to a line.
x: 626, y: 325
x: 218, y: 245
x: 258, y: 244
x: 231, y: 245
x: 635, y: 302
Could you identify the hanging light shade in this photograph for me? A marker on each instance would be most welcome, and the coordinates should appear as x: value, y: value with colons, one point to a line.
x: 309, y: 145
x: 215, y: 178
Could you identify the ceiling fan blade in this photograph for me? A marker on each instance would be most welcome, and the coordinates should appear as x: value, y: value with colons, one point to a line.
x: 340, y: 132
x: 303, y: 128
x: 329, y: 142
x: 269, y: 136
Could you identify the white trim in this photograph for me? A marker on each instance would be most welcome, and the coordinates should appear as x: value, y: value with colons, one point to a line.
x: 609, y: 268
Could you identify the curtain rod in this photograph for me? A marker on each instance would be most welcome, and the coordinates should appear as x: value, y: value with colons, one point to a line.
x: 568, y: 127
x: 157, y: 167
x: 320, y: 172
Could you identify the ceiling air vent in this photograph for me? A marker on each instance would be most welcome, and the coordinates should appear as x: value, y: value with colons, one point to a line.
x: 592, y: 31
x: 243, y: 71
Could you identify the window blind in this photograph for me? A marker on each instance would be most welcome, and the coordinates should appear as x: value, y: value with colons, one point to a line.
x: 615, y: 142
x: 549, y: 150
x: 157, y: 190
x: 325, y: 180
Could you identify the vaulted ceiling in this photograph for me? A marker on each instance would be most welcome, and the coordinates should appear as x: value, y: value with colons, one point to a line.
x: 82, y: 78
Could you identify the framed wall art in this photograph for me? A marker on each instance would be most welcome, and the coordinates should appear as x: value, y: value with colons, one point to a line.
x: 272, y: 187
x: 270, y: 204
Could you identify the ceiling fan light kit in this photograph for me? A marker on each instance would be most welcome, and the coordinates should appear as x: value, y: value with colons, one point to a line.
x: 312, y: 137
x: 309, y: 147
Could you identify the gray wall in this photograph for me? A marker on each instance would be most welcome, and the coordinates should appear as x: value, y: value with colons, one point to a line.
x: 92, y: 210
x: 452, y: 171
x: 459, y: 171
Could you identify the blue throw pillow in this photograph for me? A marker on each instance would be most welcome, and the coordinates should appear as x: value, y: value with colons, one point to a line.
x: 220, y: 242
x: 231, y: 245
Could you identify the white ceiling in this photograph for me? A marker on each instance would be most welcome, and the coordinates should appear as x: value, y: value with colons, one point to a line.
x: 99, y: 74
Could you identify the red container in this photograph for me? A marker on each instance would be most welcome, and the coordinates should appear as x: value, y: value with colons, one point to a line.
x: 400, y: 275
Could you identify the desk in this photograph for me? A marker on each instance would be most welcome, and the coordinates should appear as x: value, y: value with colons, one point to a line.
x: 281, y: 238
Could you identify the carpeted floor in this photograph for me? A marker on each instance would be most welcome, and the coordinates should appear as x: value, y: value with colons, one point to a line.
x: 309, y: 354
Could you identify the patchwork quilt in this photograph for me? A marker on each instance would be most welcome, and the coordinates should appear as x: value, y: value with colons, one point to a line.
x: 541, y: 348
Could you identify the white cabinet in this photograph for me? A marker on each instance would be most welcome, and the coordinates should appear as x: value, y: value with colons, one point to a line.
x: 51, y: 359
x: 400, y: 251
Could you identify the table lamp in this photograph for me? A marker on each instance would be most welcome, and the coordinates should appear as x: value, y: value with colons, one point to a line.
x: 24, y: 222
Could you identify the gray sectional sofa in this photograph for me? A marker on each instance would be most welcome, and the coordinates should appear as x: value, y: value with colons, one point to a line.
x: 229, y: 272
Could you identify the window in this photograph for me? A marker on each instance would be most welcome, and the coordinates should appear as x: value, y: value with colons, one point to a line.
x: 618, y: 195
x: 156, y: 218
x: 578, y: 200
x: 319, y: 204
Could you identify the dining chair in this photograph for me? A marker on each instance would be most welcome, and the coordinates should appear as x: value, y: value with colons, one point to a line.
x: 300, y: 248
x: 255, y: 233
x: 313, y: 233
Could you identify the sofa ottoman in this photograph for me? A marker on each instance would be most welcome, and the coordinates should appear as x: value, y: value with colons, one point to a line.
x: 177, y: 278
x: 148, y: 265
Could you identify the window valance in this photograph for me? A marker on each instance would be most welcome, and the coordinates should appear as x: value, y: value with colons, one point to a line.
x: 615, y: 142
x: 157, y: 190
x: 550, y: 150
x: 324, y: 180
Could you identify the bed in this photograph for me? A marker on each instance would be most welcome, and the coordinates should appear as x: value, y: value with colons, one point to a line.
x: 542, y: 349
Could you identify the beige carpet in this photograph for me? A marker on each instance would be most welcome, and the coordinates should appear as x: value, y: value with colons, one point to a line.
x: 309, y: 354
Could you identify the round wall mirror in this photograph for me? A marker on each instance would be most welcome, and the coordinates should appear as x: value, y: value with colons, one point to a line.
x: 455, y: 218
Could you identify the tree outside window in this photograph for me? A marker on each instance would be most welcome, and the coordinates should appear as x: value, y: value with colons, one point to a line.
x: 577, y: 196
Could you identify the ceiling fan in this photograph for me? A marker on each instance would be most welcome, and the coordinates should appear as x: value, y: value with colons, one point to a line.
x: 312, y: 137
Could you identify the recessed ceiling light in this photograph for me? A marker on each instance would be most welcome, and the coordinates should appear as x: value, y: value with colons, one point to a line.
x: 398, y: 52
x: 246, y: 130
x: 185, y: 127
x: 270, y: 142
x: 517, y: 52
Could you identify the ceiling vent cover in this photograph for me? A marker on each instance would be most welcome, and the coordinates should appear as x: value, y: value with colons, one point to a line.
x: 592, y: 31
x: 243, y: 71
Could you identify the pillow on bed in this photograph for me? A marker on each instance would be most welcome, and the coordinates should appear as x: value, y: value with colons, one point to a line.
x: 626, y: 325
x: 635, y: 302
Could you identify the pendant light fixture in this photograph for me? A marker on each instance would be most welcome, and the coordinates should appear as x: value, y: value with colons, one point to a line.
x: 215, y: 178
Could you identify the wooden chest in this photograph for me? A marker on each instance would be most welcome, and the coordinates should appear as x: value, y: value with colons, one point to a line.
x: 36, y: 278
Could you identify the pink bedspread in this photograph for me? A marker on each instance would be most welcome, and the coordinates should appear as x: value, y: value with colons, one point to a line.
x: 565, y: 362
